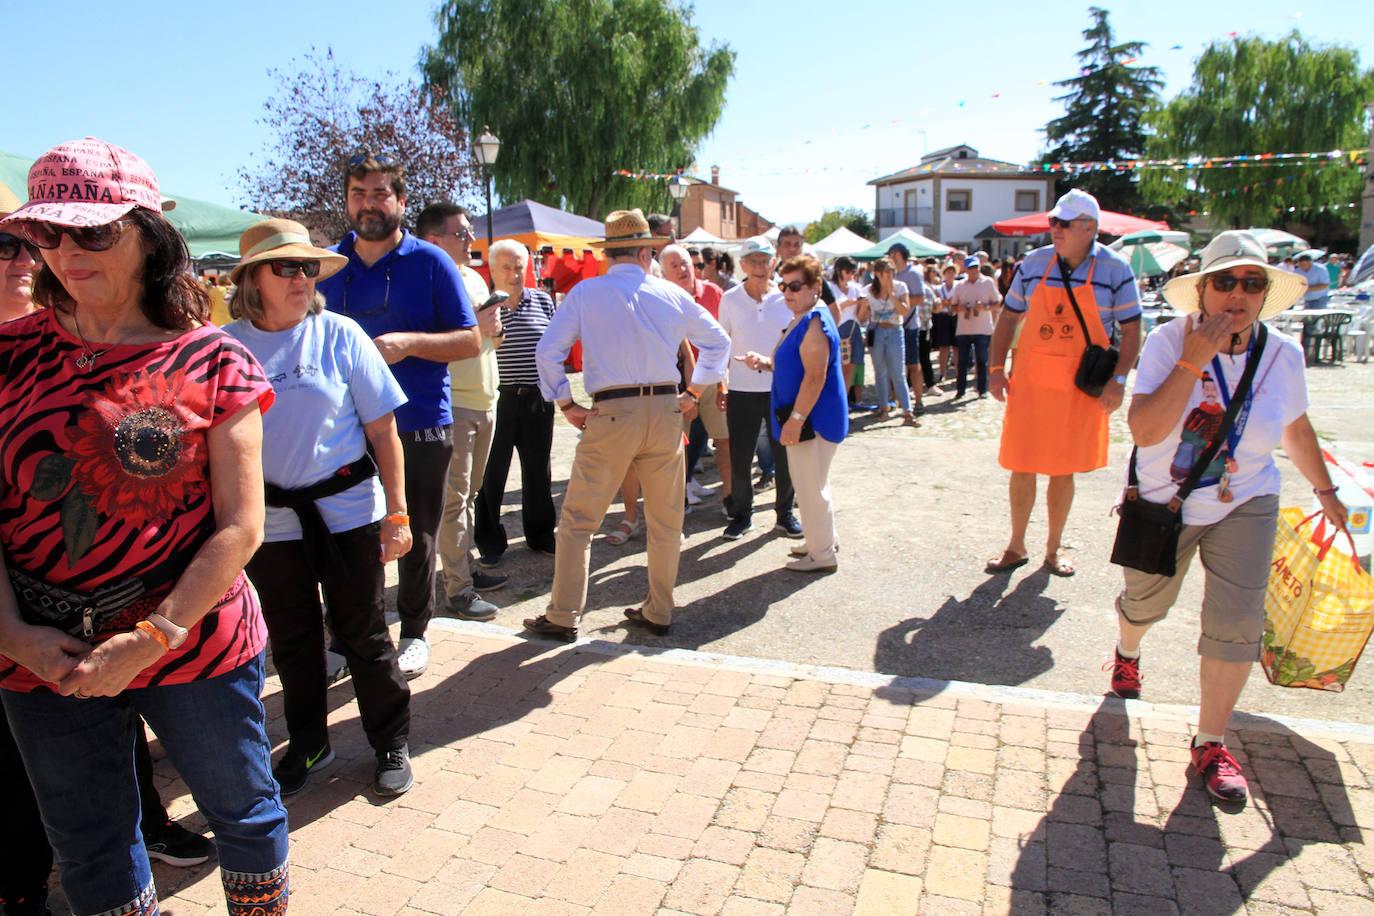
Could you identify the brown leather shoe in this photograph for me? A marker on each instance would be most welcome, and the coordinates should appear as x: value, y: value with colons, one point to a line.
x: 635, y: 615
x: 541, y: 626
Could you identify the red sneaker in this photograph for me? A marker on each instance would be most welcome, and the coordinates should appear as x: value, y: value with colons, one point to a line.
x: 1125, y: 676
x: 1220, y: 772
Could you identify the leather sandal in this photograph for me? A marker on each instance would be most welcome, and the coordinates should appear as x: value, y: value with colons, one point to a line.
x: 1006, y: 563
x: 1057, y: 566
x: 624, y: 530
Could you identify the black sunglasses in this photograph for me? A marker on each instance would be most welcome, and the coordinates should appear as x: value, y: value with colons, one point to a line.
x: 1224, y: 283
x: 11, y: 244
x: 795, y: 286
x: 1056, y: 222
x: 366, y: 312
x: 290, y: 269
x: 359, y: 158
x: 698, y: 264
x: 91, y: 238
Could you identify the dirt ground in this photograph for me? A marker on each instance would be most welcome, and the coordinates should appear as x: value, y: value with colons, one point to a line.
x: 919, y: 513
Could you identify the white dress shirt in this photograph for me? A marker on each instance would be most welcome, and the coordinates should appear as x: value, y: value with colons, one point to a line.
x: 630, y: 325
x: 753, y: 325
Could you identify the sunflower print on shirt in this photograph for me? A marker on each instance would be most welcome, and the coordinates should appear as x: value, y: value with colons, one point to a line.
x: 105, y: 472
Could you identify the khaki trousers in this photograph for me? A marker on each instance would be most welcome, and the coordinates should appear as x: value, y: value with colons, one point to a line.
x: 645, y: 432
x: 809, y: 463
x: 472, y: 431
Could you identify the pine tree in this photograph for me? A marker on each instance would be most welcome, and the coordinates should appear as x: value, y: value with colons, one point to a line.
x: 1104, y: 109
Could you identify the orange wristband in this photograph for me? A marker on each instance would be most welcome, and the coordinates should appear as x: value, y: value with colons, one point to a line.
x: 398, y: 518
x: 1194, y: 370
x: 153, y: 631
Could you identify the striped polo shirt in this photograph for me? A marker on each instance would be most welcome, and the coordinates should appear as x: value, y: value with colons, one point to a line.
x: 521, y: 329
x: 1118, y: 299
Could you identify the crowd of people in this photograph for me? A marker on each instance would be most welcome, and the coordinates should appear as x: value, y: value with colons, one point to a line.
x: 177, y: 497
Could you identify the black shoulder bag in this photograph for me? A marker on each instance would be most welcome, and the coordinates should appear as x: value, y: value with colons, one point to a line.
x: 1147, y: 533
x: 1098, y: 364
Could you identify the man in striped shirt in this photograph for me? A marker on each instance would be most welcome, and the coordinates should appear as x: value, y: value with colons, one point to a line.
x: 524, y: 420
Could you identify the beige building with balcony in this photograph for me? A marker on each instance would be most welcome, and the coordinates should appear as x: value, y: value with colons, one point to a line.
x: 718, y: 210
x: 954, y: 195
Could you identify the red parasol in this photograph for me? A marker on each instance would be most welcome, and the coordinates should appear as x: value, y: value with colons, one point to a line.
x: 1110, y: 224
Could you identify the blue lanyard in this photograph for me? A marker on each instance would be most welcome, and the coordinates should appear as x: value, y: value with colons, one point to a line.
x: 1243, y: 415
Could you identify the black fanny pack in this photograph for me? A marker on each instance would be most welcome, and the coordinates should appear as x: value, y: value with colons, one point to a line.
x: 89, y: 615
x: 323, y: 554
x: 1147, y: 532
x: 785, y: 413
x: 1098, y: 364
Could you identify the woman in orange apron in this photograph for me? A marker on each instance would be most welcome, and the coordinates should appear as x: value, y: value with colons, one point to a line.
x: 1051, y: 427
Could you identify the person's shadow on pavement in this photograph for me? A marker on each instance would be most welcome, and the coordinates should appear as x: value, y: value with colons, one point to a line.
x: 1131, y: 828
x: 986, y: 638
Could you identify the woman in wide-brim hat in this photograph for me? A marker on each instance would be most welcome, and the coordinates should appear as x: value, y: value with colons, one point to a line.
x: 1189, y: 371
x: 331, y: 522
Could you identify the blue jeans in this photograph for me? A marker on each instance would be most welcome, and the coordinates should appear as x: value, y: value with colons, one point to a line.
x: 889, y: 366
x: 973, y: 348
x: 80, y: 758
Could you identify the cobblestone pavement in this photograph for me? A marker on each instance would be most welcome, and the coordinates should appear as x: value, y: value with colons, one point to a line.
x: 603, y: 779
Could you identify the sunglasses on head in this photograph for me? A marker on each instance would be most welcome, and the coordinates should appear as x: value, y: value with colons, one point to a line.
x: 290, y: 269
x: 359, y: 158
x: 795, y: 286
x: 10, y: 245
x: 90, y: 238
x: 1224, y: 283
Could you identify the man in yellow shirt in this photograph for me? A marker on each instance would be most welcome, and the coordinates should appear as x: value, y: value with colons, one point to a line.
x: 474, y: 382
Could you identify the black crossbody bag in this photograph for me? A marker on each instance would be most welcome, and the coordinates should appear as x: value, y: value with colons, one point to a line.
x: 1098, y: 364
x: 1147, y: 533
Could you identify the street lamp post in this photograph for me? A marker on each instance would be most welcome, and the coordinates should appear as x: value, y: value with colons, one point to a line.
x: 677, y: 189
x: 487, y: 148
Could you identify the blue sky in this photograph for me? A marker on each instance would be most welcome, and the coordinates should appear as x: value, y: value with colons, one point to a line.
x: 825, y: 96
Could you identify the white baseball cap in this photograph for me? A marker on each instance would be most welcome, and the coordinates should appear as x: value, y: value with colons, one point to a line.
x: 756, y: 245
x: 1077, y: 204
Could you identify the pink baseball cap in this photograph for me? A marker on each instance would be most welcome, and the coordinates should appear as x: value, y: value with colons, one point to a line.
x: 88, y: 182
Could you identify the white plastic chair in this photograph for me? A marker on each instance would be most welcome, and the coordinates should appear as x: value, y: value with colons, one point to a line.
x: 1357, y: 332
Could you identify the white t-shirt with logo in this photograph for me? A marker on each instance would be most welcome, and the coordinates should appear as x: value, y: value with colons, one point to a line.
x: 1280, y: 397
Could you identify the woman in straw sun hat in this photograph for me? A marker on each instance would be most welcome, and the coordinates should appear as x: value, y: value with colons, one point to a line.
x: 1189, y: 371
x: 131, y: 499
x: 331, y: 522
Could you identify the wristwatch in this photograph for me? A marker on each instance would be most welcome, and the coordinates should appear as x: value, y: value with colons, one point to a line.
x: 1120, y: 380
x: 799, y: 417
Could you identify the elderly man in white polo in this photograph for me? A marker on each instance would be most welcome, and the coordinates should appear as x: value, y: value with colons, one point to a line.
x: 631, y: 326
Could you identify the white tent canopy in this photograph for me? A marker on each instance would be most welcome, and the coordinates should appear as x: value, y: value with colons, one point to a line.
x: 700, y: 236
x: 841, y: 241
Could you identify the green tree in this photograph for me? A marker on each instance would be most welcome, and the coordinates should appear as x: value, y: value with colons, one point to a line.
x: 1250, y: 95
x: 577, y: 89
x: 1102, y: 122
x: 855, y: 220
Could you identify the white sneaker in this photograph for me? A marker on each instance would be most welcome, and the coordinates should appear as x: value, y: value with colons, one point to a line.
x: 413, y: 657
x: 698, y: 490
x: 810, y: 565
x: 335, y: 667
x: 692, y: 498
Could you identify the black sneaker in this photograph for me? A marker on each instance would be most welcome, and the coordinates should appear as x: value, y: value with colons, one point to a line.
x: 175, y: 845
x: 789, y: 527
x: 393, y: 772
x: 764, y: 482
x: 737, y: 529
x: 488, y: 560
x: 488, y: 583
x: 296, y: 765
x: 468, y: 605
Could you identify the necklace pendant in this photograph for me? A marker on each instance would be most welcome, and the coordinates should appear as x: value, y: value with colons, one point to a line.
x: 85, y: 361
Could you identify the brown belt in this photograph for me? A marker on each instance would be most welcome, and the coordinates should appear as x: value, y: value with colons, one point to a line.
x: 639, y: 391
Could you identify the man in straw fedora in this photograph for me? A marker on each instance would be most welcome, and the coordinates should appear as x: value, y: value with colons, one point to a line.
x: 631, y: 325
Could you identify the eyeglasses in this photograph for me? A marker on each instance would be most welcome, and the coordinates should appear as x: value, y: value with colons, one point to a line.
x: 290, y: 269
x: 11, y: 244
x: 1224, y: 283
x: 1057, y: 223
x: 366, y: 312
x: 464, y: 233
x: 90, y: 238
x: 795, y: 286
x: 359, y: 158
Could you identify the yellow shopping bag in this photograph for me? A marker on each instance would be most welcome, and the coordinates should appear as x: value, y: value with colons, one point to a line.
x: 1319, y: 608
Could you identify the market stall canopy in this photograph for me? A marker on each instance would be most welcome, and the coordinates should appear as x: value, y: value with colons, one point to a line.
x: 1276, y: 241
x: 209, y: 229
x: 842, y: 241
x: 1363, y: 269
x: 537, y: 226
x: 920, y: 246
x: 700, y: 236
x: 1144, y: 237
x: 1155, y: 258
x: 1110, y: 224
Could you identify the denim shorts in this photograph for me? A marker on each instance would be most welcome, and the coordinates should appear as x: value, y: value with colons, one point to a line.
x: 80, y: 751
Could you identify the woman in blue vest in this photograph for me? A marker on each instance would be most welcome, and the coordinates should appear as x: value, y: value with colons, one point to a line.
x: 810, y: 413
